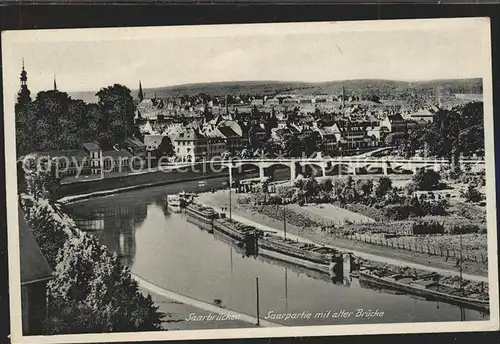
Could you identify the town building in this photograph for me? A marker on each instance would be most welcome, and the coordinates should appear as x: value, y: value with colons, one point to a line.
x: 136, y: 147
x: 423, y: 115
x: 69, y: 162
x: 95, y: 153
x: 329, y: 141
x: 190, y: 146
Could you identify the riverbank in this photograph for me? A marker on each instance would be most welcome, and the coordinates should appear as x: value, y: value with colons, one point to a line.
x: 138, y: 180
x: 113, y: 191
x: 363, y: 250
x: 185, y: 313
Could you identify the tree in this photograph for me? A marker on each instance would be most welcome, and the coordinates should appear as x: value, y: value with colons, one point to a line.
x: 427, y: 180
x: 116, y: 107
x: 383, y: 187
x: 27, y: 135
x: 309, y: 142
x: 49, y: 234
x: 166, y: 148
x: 365, y: 188
x: 93, y: 292
x: 390, y: 139
x: 40, y: 177
x: 311, y: 188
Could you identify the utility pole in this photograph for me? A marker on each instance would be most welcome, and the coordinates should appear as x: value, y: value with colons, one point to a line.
x: 257, y: 290
x: 284, y: 220
x: 461, y: 284
x: 230, y: 185
x: 286, y: 288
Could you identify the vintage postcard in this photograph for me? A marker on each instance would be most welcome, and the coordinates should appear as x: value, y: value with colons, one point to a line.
x: 258, y: 180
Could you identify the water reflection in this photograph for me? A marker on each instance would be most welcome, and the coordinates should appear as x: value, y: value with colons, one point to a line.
x: 114, y: 225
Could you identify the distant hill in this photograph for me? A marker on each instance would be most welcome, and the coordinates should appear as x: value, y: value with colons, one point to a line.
x: 385, y: 89
x: 86, y: 96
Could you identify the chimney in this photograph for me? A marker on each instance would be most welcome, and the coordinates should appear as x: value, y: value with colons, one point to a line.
x: 343, y: 96
x: 438, y: 95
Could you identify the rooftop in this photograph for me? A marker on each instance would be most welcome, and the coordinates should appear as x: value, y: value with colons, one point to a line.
x: 228, y: 132
x: 34, y: 265
x: 91, y: 146
x: 134, y: 142
x: 122, y: 153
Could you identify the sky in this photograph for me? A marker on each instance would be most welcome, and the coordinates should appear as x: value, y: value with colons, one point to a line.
x: 86, y: 60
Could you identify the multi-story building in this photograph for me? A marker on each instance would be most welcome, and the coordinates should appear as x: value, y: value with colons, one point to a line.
x: 190, y: 146
x: 95, y: 154
x: 329, y: 142
x: 353, y: 136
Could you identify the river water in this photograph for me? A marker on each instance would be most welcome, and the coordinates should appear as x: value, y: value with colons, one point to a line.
x: 166, y: 250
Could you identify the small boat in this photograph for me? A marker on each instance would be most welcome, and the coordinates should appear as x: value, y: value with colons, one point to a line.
x: 174, y: 203
x: 426, y: 287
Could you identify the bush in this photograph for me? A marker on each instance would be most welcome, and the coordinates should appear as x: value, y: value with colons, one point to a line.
x: 415, y: 208
x: 285, y: 192
x: 49, y: 233
x: 472, y: 195
x: 427, y: 180
x: 427, y: 227
x: 383, y: 187
x: 274, y: 199
x: 466, y: 229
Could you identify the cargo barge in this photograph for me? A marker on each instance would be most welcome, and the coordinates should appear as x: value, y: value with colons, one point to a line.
x: 235, y: 230
x: 255, y: 242
x: 314, y: 257
x: 202, y: 216
x: 425, y: 287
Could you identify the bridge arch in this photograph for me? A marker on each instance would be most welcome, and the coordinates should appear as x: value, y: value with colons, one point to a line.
x: 340, y: 168
x: 279, y: 171
x: 311, y: 168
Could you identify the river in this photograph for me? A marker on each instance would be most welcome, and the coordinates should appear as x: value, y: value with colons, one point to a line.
x: 168, y: 251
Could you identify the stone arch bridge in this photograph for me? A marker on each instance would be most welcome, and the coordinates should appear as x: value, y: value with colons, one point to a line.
x: 350, y: 164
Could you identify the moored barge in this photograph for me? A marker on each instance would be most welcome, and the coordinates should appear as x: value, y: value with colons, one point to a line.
x: 233, y: 229
x: 424, y: 287
x: 202, y: 216
x: 315, y: 257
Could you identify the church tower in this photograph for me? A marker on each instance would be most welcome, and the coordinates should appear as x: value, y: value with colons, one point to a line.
x: 23, y: 95
x: 141, y: 94
x: 55, y: 83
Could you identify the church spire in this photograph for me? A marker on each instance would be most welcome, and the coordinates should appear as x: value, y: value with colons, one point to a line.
x: 23, y: 96
x: 55, y: 83
x: 141, y: 94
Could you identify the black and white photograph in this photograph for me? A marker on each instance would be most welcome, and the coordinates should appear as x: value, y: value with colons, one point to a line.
x: 250, y: 180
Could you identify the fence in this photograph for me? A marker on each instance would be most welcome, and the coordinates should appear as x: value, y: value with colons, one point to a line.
x: 419, y: 247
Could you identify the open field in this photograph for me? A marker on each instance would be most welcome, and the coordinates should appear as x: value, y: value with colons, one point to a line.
x: 329, y: 214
